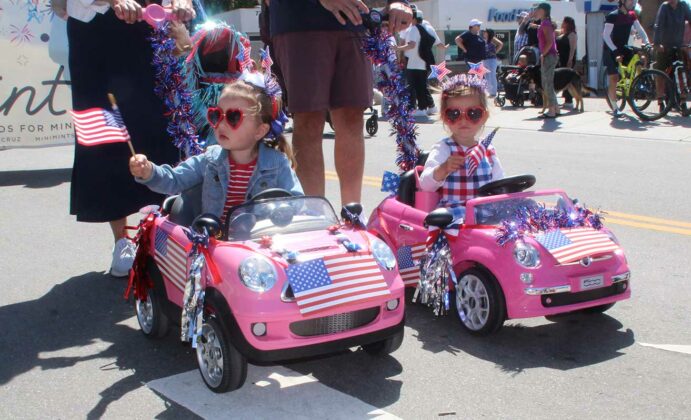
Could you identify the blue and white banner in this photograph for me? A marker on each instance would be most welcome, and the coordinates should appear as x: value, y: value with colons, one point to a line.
x: 35, y: 96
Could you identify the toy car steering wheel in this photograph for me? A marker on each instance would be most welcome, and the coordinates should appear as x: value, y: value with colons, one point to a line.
x: 508, y: 185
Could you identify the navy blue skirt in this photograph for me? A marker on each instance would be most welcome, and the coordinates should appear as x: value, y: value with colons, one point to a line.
x: 109, y: 55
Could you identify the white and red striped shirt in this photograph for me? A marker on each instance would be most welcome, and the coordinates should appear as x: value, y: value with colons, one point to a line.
x: 238, y: 181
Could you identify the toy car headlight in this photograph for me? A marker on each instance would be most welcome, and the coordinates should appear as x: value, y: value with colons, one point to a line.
x: 257, y: 274
x: 383, y: 255
x: 526, y: 255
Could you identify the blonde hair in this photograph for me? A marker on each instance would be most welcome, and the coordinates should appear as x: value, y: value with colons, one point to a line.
x: 459, y: 91
x: 265, y: 108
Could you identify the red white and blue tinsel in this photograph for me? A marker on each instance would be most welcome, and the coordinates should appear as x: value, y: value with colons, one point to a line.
x: 392, y: 84
x: 532, y: 220
x: 436, y: 270
x: 192, y: 317
x: 171, y: 86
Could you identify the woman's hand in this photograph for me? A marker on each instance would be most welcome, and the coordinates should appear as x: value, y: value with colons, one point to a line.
x: 183, y: 10
x: 351, y: 9
x: 400, y: 16
x: 141, y: 167
x: 127, y: 10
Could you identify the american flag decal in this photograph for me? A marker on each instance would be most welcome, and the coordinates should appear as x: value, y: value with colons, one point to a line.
x: 568, y: 245
x: 96, y: 126
x: 336, y: 280
x: 408, y: 258
x: 170, y: 257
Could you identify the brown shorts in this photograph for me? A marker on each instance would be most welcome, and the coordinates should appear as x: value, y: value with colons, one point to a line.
x: 324, y: 70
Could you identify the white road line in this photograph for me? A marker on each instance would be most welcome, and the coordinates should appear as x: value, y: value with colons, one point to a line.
x: 678, y: 348
x: 269, y: 392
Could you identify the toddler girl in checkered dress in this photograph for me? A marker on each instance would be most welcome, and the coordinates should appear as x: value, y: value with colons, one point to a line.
x: 461, y: 163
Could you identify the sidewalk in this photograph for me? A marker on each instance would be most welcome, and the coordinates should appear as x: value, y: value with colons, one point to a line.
x: 596, y: 121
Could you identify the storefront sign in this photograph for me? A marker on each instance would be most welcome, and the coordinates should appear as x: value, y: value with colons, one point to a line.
x: 496, y: 15
x: 35, y: 96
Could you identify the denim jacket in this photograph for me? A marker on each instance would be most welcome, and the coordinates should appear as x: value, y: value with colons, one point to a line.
x: 212, y: 169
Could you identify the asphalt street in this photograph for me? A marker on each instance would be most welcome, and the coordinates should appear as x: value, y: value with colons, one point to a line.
x: 70, y: 345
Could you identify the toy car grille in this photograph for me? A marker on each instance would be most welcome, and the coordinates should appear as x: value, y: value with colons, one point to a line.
x: 334, y: 323
x: 563, y: 299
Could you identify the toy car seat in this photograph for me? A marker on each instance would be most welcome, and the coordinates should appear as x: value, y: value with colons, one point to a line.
x: 409, y: 188
x: 185, y: 207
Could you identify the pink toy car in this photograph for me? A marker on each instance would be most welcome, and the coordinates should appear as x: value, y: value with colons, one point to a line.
x: 521, y: 279
x: 269, y: 246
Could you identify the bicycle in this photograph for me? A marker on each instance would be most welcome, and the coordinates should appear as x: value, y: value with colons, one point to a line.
x: 627, y: 73
x: 669, y: 88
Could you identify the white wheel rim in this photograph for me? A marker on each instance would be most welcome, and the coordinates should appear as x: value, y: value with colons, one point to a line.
x: 472, y: 302
x: 145, y: 315
x: 210, y: 356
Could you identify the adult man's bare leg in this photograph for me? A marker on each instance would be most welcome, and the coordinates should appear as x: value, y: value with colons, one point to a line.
x: 308, y: 128
x: 349, y: 153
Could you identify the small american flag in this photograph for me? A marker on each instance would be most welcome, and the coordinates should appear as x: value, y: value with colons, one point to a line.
x: 267, y: 62
x: 568, y: 245
x: 170, y: 256
x: 336, y: 280
x: 96, y: 126
x: 408, y: 258
x: 244, y: 58
x: 475, y: 154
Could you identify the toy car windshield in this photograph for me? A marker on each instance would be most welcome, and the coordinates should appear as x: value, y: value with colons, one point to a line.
x: 283, y: 215
x: 495, y: 212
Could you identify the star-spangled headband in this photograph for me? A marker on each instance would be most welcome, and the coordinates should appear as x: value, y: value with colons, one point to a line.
x: 475, y: 78
x: 269, y: 85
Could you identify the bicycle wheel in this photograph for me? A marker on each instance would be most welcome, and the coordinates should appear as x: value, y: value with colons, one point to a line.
x: 644, y: 92
x: 621, y: 99
x: 683, y: 93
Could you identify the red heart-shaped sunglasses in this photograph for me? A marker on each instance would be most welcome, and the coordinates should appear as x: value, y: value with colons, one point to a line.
x: 473, y: 114
x: 233, y: 117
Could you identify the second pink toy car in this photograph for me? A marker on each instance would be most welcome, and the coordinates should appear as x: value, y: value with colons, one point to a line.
x: 539, y: 274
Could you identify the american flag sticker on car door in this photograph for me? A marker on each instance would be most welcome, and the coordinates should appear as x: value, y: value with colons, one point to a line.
x: 170, y: 256
x: 408, y: 258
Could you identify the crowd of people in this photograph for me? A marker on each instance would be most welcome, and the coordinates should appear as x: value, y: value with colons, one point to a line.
x: 110, y: 53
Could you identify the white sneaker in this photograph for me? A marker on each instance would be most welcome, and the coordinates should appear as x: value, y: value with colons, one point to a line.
x: 419, y: 113
x: 123, y: 257
x: 433, y: 110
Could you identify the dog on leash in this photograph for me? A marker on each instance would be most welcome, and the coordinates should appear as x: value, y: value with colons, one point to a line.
x: 564, y: 78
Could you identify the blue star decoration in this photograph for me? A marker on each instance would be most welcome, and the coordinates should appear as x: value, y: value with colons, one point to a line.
x: 390, y: 182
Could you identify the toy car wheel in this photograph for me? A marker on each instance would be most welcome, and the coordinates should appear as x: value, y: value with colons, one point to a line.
x: 222, y: 366
x: 597, y: 309
x: 152, y: 321
x: 384, y: 347
x: 479, y: 302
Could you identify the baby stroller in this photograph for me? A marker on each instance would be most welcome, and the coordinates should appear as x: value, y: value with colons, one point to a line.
x: 513, y: 87
x: 531, y: 53
x: 371, y: 123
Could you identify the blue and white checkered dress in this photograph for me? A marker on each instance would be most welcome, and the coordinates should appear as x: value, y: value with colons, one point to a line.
x: 460, y: 187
